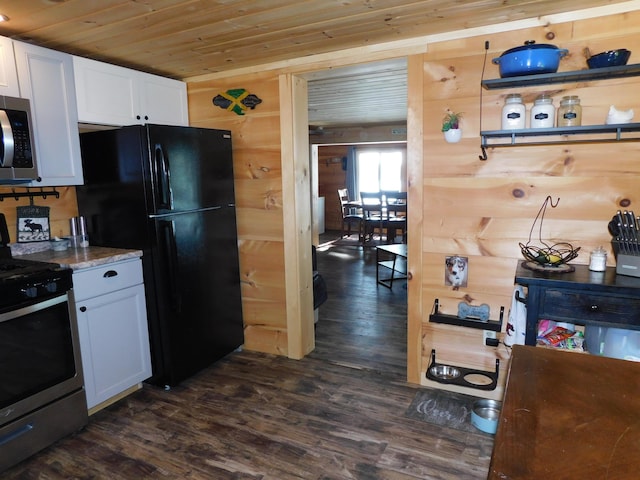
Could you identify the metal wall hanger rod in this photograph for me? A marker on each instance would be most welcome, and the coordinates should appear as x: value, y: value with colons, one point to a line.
x: 30, y: 194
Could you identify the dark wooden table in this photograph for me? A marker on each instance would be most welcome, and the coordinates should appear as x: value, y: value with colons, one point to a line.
x: 568, y: 415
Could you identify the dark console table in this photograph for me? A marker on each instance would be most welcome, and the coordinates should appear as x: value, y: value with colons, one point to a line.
x: 581, y: 297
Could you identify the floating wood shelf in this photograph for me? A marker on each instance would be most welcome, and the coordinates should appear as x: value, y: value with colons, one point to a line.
x: 491, y: 325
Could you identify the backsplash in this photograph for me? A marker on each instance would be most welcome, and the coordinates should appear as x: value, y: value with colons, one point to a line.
x: 61, y: 209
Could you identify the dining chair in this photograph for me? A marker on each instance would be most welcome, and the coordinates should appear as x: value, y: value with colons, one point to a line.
x: 351, y: 215
x: 374, y: 213
x: 396, y: 204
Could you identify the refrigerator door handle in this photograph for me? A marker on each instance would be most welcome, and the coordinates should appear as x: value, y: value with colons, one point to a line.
x: 164, y: 179
x: 168, y: 235
x: 186, y: 212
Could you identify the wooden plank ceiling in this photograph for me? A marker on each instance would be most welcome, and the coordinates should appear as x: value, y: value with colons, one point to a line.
x: 189, y: 38
x: 371, y: 93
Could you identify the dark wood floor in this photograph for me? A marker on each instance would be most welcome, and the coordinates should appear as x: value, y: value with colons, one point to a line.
x: 337, y: 414
x: 361, y: 325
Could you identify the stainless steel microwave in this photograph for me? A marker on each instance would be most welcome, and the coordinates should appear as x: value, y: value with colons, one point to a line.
x: 17, y: 154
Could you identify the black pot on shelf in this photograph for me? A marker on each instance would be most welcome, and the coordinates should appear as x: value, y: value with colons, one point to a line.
x: 612, y: 58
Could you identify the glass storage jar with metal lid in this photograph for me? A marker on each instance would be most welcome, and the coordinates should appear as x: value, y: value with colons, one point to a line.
x: 570, y: 112
x: 513, y: 112
x: 598, y: 260
x: 543, y: 113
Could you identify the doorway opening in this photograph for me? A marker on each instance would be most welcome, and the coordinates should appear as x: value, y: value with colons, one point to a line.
x: 362, y: 325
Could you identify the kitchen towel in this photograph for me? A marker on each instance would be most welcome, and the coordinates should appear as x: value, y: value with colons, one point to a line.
x: 517, y: 322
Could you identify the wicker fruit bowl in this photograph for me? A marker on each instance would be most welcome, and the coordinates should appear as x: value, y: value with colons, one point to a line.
x: 552, y: 256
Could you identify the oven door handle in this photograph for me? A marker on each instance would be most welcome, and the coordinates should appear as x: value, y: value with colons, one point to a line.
x: 11, y: 436
x: 36, y: 307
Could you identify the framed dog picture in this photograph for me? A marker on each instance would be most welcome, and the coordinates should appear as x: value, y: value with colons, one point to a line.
x: 33, y: 224
x: 455, y: 271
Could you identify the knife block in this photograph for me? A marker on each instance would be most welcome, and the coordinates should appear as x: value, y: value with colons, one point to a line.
x: 628, y: 265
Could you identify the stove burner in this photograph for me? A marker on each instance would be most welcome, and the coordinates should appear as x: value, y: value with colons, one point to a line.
x: 28, y: 280
x: 8, y: 267
x: 11, y: 267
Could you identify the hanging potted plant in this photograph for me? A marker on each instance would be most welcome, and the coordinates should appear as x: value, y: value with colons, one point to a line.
x: 451, y: 127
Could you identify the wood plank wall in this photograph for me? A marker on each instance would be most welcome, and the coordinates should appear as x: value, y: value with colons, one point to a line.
x: 258, y: 183
x: 478, y: 209
x: 331, y: 177
x: 483, y: 209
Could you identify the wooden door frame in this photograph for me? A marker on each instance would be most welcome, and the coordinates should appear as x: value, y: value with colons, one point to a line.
x: 298, y: 230
x: 296, y: 200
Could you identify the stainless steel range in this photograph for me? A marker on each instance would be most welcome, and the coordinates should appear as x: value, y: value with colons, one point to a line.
x: 42, y: 396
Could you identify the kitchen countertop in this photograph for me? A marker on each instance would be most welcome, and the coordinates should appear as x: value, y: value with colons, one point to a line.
x: 79, y: 258
x: 568, y: 415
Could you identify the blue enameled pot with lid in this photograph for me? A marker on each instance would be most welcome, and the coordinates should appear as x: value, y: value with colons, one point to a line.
x: 530, y: 59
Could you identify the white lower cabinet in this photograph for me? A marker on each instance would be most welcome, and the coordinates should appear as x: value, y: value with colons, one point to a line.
x: 112, y: 325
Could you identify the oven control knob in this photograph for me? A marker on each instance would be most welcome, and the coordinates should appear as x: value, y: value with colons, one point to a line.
x: 51, y: 287
x: 31, y: 291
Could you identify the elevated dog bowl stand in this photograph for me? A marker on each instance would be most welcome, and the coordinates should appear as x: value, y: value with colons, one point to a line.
x: 453, y: 375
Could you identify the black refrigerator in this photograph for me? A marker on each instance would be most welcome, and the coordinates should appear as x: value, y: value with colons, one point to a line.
x: 169, y: 192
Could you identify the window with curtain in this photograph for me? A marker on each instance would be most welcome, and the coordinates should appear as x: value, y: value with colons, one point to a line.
x: 380, y: 170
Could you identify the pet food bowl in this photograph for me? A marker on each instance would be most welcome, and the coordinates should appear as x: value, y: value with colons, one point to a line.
x: 59, y: 244
x: 612, y: 58
x: 485, y: 414
x: 444, y: 372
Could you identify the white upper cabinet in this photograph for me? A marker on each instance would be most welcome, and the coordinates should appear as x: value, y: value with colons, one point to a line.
x: 45, y: 77
x: 8, y: 74
x: 105, y: 94
x: 113, y: 95
x: 163, y: 100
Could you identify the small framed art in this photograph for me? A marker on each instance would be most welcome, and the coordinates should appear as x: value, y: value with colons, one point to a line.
x: 33, y: 224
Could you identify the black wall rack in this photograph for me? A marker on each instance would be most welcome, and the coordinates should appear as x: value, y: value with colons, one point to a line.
x: 563, y: 77
x: 608, y: 133
x: 30, y: 194
x: 491, y: 325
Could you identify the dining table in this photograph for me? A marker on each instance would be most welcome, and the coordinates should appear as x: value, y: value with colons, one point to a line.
x: 388, y: 215
x: 568, y: 415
